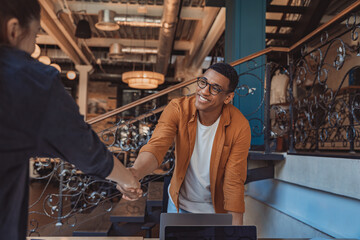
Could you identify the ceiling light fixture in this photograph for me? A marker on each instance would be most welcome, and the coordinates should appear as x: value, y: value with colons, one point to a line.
x: 115, y: 51
x: 45, y: 60
x: 36, y: 52
x: 143, y: 79
x: 106, y: 21
x: 56, y: 66
x: 71, y: 75
x: 83, y: 29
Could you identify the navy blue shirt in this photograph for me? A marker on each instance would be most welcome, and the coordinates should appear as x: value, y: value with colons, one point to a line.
x: 38, y: 118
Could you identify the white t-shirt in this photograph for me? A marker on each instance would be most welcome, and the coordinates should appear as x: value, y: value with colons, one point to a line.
x: 195, y: 195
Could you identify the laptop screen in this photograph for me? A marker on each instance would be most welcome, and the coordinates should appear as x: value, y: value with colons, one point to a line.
x: 210, y: 233
x: 196, y: 219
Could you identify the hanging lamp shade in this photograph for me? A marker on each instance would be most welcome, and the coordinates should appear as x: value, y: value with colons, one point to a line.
x: 56, y: 66
x: 45, y: 60
x: 115, y: 51
x: 36, y: 52
x: 71, y: 75
x: 143, y: 79
x: 83, y: 29
x: 106, y: 21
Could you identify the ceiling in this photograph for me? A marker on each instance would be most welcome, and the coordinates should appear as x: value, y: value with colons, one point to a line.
x: 178, y: 37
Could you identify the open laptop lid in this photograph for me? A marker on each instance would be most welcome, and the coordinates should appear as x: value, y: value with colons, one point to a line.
x: 188, y: 219
x: 210, y: 233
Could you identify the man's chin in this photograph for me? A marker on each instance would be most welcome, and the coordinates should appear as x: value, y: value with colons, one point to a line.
x: 200, y: 106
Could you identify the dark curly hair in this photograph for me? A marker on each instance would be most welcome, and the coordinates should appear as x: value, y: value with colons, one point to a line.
x: 228, y: 71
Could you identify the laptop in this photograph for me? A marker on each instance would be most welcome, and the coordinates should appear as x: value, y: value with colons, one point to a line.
x: 195, y: 219
x: 210, y: 233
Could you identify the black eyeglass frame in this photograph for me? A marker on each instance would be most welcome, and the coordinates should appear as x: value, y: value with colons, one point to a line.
x: 211, y: 86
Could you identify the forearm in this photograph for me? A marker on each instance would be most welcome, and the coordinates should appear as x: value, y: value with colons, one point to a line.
x: 237, y: 218
x: 145, y: 164
x: 121, y: 175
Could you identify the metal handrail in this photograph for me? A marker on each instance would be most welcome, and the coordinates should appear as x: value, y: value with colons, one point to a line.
x: 235, y: 63
x: 140, y: 101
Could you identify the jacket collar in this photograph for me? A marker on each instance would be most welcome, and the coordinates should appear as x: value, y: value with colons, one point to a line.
x: 13, y: 50
x: 225, y: 115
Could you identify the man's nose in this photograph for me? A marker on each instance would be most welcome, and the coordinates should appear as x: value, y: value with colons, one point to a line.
x: 206, y: 89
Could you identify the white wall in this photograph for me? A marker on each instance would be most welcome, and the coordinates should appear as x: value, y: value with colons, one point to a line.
x: 336, y: 175
x: 309, y: 197
x: 271, y: 223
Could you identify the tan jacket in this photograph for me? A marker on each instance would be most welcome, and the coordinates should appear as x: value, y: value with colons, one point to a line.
x: 228, y: 164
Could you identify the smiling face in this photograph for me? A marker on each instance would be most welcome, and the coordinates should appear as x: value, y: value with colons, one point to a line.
x: 206, y: 102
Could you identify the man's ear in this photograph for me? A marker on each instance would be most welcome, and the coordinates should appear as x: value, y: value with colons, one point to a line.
x: 229, y: 97
x: 13, y: 31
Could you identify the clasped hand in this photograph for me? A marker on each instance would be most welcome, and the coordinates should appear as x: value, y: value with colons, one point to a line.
x: 132, y: 190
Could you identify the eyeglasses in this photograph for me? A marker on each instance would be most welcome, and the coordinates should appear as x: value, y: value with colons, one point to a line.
x: 214, y: 89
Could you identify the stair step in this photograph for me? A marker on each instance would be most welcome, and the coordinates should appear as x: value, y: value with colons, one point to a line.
x: 97, y: 223
x: 154, y: 196
x: 129, y: 211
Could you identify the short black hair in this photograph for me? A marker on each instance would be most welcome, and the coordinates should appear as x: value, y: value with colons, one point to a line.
x: 228, y: 71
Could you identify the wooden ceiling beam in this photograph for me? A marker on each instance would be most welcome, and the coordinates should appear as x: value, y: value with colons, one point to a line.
x: 63, y: 36
x: 212, y: 37
x: 281, y: 23
x: 282, y: 36
x: 310, y: 20
x: 286, y: 9
x: 201, y: 30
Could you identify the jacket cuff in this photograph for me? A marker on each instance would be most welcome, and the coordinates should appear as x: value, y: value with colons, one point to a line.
x: 235, y: 204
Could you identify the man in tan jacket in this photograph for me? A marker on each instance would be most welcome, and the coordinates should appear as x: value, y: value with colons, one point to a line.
x: 212, y: 140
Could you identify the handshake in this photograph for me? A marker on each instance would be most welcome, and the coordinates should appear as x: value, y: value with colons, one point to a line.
x: 127, y: 179
x: 131, y: 190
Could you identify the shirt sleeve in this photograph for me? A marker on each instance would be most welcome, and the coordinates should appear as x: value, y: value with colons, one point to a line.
x: 65, y: 134
x: 235, y: 172
x: 164, y: 133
